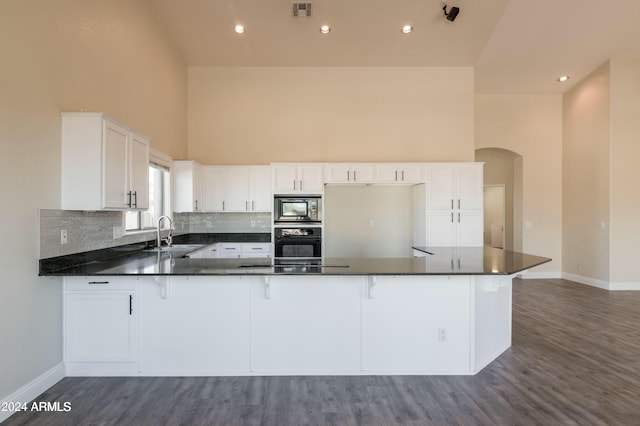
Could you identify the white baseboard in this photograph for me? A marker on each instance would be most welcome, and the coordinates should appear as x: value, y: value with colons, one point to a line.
x: 605, y: 285
x: 34, y: 388
x: 528, y: 275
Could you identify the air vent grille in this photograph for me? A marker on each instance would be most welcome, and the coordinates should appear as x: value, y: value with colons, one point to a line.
x: 301, y: 9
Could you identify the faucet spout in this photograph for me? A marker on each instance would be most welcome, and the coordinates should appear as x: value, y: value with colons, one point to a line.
x: 169, y: 237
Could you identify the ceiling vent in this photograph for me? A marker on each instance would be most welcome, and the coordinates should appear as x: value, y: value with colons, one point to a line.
x: 301, y: 9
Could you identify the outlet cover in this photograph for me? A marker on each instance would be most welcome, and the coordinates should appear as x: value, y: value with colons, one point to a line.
x: 64, y: 238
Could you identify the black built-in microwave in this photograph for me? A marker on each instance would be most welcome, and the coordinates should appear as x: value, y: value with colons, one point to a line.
x: 288, y: 209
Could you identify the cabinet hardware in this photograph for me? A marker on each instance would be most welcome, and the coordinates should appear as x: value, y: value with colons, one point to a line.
x: 130, y: 304
x: 98, y: 282
x: 253, y: 205
x: 246, y: 205
x: 348, y: 176
x: 371, y: 284
x: 294, y: 184
x: 451, y: 217
x: 135, y: 197
x: 403, y: 175
x: 354, y: 175
x: 452, y: 204
x: 396, y: 175
x: 458, y: 217
x: 129, y: 199
x: 196, y: 205
x: 223, y: 206
x: 300, y: 184
x: 267, y: 288
x: 458, y: 203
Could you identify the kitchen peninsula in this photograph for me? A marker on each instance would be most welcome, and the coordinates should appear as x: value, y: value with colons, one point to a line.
x: 159, y: 313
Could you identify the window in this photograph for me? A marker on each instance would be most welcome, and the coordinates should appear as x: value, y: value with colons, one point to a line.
x: 159, y: 184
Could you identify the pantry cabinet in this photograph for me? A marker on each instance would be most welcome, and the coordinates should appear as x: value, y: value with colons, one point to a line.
x: 105, y: 164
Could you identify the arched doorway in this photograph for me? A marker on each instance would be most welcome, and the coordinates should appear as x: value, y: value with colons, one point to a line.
x: 502, y: 169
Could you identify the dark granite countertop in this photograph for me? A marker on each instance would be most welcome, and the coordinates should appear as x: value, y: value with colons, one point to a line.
x: 439, y: 261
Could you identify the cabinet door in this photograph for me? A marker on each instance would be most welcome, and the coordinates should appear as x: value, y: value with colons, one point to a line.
x: 284, y: 177
x: 100, y: 327
x: 469, y: 187
x: 306, y: 324
x: 311, y: 178
x: 412, y: 173
x: 363, y: 173
x: 195, y: 325
x: 139, y: 172
x: 386, y: 173
x: 417, y: 324
x: 440, y: 189
x: 237, y: 189
x: 469, y: 230
x: 441, y: 228
x: 337, y: 173
x: 115, y: 158
x: 260, y: 194
x: 198, y: 188
x: 215, y: 188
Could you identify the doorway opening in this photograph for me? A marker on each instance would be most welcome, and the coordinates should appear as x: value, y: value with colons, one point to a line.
x: 502, y: 169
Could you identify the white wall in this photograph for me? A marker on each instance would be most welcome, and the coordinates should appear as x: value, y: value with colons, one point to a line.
x: 368, y: 221
x: 530, y: 125
x: 67, y: 55
x: 257, y: 115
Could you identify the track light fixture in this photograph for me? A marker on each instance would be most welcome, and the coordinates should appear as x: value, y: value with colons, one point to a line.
x: 453, y: 12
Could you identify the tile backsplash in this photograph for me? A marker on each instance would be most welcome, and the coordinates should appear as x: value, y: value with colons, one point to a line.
x: 93, y: 230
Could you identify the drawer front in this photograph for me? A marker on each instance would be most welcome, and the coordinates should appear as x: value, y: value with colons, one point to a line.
x: 255, y: 248
x: 227, y: 250
x: 100, y: 283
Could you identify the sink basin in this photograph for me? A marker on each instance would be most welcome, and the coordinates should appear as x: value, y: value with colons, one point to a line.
x: 178, y: 247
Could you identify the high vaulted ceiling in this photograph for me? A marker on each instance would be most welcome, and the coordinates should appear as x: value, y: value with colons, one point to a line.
x: 517, y: 46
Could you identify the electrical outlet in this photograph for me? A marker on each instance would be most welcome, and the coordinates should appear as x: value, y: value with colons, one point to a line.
x: 117, y: 232
x: 64, y: 238
x: 442, y: 335
x: 208, y: 224
x: 253, y: 223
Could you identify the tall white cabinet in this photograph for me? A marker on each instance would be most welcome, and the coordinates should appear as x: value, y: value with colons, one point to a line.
x: 449, y: 206
x: 105, y: 164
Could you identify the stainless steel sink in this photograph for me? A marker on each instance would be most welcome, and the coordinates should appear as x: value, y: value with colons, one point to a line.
x: 177, y: 247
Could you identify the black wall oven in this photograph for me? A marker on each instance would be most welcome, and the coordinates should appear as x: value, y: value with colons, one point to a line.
x: 299, y: 243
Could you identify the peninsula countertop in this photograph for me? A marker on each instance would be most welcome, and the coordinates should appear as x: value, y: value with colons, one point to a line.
x: 437, y: 261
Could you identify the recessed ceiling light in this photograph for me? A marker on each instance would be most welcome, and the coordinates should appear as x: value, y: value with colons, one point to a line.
x: 325, y: 29
x: 407, y: 29
x: 239, y: 29
x: 563, y: 78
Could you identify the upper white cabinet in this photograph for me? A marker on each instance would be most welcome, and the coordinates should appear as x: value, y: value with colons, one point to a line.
x: 105, y: 165
x: 407, y: 173
x: 349, y: 173
x: 297, y: 178
x: 237, y: 188
x: 187, y: 194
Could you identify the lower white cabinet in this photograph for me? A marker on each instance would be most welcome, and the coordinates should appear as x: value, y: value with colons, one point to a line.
x: 416, y: 325
x: 454, y: 228
x: 100, y: 325
x: 194, y: 325
x: 306, y: 324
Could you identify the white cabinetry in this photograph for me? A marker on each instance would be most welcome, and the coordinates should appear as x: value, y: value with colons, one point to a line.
x: 238, y: 188
x: 188, y: 181
x: 349, y: 173
x: 454, y: 215
x: 417, y: 324
x: 297, y: 178
x: 306, y: 324
x: 195, y: 326
x: 100, y: 325
x: 233, y: 251
x: 407, y: 173
x: 105, y: 165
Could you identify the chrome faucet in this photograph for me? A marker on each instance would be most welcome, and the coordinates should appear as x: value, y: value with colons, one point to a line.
x: 169, y: 238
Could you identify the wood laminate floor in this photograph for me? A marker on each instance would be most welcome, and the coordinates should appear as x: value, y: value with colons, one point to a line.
x: 575, y: 360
